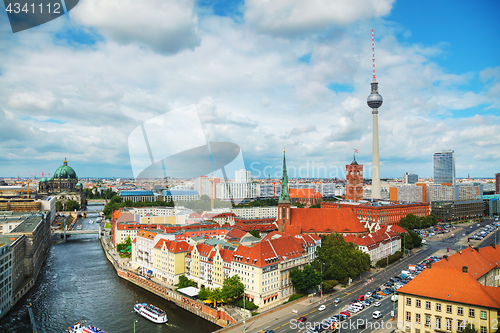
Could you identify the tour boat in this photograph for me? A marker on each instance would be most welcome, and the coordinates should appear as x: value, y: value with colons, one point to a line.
x: 79, y: 328
x: 151, y: 312
x: 91, y: 221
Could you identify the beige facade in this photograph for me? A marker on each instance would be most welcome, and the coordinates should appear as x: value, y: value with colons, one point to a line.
x: 426, y: 315
x: 169, y: 264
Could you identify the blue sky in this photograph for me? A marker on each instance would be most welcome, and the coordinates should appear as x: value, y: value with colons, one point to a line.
x: 263, y: 75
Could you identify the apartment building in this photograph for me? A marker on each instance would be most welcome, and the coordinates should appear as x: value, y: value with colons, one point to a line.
x: 5, y: 279
x: 169, y: 260
x: 443, y: 299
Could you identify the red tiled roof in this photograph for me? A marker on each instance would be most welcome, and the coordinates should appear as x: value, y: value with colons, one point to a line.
x: 226, y: 254
x: 273, y: 248
x: 172, y: 246
x: 204, y: 249
x: 116, y: 214
x: 451, y: 284
x: 146, y: 234
x: 326, y: 220
x: 479, y: 262
x: 235, y: 233
x: 303, y: 193
x: 256, y: 226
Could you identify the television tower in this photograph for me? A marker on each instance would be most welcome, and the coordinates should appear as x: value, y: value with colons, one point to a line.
x: 375, y: 101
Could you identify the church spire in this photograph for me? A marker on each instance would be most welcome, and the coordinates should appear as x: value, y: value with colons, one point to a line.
x: 284, y: 196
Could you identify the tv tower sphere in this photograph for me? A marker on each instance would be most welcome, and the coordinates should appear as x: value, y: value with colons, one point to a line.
x: 375, y: 100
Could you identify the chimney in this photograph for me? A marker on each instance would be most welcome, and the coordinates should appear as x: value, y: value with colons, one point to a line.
x: 446, y: 257
x: 464, y: 269
x: 428, y: 265
x: 493, y: 245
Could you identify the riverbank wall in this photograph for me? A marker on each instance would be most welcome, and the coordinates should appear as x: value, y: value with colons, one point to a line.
x: 215, y: 315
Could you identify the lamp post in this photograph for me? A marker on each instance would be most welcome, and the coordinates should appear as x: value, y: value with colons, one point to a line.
x: 321, y: 283
x: 135, y: 321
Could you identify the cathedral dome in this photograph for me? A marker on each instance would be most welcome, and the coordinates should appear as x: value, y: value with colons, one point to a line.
x: 65, y: 172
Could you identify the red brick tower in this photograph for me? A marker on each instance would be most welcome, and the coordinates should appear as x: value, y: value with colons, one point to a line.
x: 354, y: 188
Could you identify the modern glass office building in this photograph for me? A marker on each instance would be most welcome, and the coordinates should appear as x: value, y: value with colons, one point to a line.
x: 444, y: 167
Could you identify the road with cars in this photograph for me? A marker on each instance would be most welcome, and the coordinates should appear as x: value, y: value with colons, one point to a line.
x: 289, y: 323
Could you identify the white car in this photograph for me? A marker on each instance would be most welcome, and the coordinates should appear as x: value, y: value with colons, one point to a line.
x: 376, y: 304
x: 377, y: 315
x: 368, y: 294
x: 321, y: 308
x: 352, y: 309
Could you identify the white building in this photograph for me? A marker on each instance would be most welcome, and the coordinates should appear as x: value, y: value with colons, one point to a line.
x: 5, y: 279
x: 237, y: 191
x: 242, y: 176
x: 256, y: 212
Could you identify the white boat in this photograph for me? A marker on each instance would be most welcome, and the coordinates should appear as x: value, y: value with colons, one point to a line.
x: 151, y: 312
x: 91, y: 221
x: 79, y: 328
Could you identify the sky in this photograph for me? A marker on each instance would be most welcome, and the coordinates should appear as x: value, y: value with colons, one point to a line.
x: 119, y: 86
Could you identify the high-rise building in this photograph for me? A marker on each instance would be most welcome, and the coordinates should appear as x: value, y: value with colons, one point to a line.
x: 410, y: 178
x: 354, y: 187
x: 497, y: 183
x: 374, y: 101
x: 242, y: 176
x: 444, y: 167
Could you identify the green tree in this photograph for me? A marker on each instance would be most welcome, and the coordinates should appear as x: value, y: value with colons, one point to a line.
x: 469, y: 328
x: 232, y: 288
x: 311, y: 277
x: 297, y: 278
x: 184, y: 282
x: 59, y: 206
x: 71, y: 205
x: 255, y: 233
x: 215, y: 295
x: 204, y: 293
x: 340, y: 260
x: 329, y: 285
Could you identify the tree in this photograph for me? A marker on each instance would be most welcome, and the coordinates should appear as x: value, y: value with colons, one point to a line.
x: 204, y: 293
x: 184, y: 282
x: 232, y: 288
x: 469, y: 328
x: 340, y: 260
x: 59, y: 206
x: 305, y: 279
x: 72, y: 205
x: 255, y: 233
x: 215, y: 295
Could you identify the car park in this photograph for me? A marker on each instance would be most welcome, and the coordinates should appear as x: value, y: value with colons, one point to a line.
x: 345, y: 313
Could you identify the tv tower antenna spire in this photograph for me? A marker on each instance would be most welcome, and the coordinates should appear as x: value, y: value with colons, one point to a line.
x: 373, y: 51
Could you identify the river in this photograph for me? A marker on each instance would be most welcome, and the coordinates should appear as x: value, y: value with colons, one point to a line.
x: 78, y: 284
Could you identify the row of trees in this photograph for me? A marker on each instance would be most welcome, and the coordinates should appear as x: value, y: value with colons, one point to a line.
x: 410, y: 221
x: 231, y: 291
x: 71, y: 205
x: 204, y: 204
x: 94, y: 193
x: 259, y: 203
x: 116, y: 202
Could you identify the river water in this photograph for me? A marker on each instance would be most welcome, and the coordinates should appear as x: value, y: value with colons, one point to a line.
x: 78, y: 284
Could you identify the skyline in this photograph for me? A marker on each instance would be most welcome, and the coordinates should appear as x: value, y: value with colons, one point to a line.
x: 262, y: 77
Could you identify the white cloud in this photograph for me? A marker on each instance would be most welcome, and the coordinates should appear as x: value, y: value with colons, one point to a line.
x: 297, y: 17
x: 165, y: 26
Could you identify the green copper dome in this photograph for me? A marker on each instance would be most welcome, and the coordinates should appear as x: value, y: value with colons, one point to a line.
x: 43, y: 180
x: 65, y: 172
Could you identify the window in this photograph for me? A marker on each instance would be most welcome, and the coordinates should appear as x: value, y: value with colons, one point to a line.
x: 427, y: 320
x: 408, y: 301
x: 448, y: 324
x: 460, y: 311
x: 483, y: 329
x: 417, y: 303
x: 417, y: 317
x: 448, y: 309
x: 483, y: 314
x: 428, y: 305
x: 438, y: 306
x: 408, y: 316
x: 438, y: 323
x: 471, y: 313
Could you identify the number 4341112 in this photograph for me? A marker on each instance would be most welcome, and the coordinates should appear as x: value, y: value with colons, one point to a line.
x: 54, y: 8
